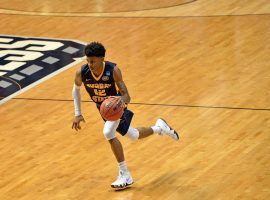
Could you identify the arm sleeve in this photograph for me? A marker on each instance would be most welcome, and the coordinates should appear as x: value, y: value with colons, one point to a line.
x: 76, y: 99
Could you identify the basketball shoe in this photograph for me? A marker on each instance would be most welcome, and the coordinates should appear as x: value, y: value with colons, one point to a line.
x: 123, y: 180
x: 166, y: 129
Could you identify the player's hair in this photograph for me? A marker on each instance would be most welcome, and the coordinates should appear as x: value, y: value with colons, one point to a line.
x: 95, y: 49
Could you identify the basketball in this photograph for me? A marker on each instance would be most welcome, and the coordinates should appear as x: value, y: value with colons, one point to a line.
x: 111, y: 109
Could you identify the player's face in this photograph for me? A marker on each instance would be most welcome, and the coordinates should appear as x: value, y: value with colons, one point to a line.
x: 95, y: 62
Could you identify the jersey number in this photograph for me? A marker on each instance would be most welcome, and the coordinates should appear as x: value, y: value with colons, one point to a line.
x: 101, y: 93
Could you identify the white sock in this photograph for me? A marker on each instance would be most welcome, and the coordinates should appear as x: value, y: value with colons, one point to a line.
x: 156, y: 129
x: 123, y: 166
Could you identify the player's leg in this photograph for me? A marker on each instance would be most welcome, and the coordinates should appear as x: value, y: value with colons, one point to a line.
x: 161, y: 127
x: 139, y: 133
x: 124, y: 179
x: 117, y: 149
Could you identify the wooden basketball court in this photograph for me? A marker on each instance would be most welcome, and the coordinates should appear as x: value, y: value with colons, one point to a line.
x: 202, y: 65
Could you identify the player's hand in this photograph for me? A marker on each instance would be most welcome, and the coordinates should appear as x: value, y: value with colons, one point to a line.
x: 120, y: 101
x: 76, y: 122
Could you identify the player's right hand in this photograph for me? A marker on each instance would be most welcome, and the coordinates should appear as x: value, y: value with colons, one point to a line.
x: 120, y: 101
x: 76, y: 122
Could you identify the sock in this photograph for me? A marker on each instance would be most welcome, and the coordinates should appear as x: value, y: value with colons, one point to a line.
x: 156, y: 129
x: 123, y: 166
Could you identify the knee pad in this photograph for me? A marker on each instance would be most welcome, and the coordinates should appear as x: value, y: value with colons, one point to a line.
x: 110, y: 129
x: 133, y: 133
x: 109, y: 134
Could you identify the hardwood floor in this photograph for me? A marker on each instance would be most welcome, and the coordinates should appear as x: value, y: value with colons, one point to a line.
x: 207, y: 76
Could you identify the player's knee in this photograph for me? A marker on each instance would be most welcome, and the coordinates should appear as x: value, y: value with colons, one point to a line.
x: 132, y: 133
x: 109, y: 134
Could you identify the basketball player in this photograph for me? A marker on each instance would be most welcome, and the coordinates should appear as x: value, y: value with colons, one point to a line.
x: 100, y: 78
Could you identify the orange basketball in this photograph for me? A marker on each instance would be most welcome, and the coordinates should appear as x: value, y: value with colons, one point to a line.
x: 111, y: 110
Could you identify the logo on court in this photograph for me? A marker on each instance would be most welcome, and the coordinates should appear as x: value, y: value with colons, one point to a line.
x: 25, y: 62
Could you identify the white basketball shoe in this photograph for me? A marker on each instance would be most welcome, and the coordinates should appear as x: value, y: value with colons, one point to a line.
x: 123, y: 180
x: 166, y: 129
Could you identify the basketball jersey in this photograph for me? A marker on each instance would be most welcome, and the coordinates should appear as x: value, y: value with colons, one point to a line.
x: 99, y: 87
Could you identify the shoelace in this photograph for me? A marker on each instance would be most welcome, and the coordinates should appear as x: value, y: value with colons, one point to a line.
x: 121, y: 175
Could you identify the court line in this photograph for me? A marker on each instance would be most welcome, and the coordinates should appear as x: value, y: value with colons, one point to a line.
x: 147, y: 9
x: 154, y: 104
x: 135, y: 17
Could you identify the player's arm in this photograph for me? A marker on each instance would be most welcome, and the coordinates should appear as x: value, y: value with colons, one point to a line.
x: 121, y: 85
x: 77, y: 101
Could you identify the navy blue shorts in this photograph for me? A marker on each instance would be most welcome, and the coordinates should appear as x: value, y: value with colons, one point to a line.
x: 125, y: 121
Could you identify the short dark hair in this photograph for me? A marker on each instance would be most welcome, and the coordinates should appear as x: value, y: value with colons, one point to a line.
x: 95, y: 49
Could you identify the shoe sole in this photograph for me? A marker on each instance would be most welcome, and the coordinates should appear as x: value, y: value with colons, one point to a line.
x: 171, y: 128
x: 121, y: 187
